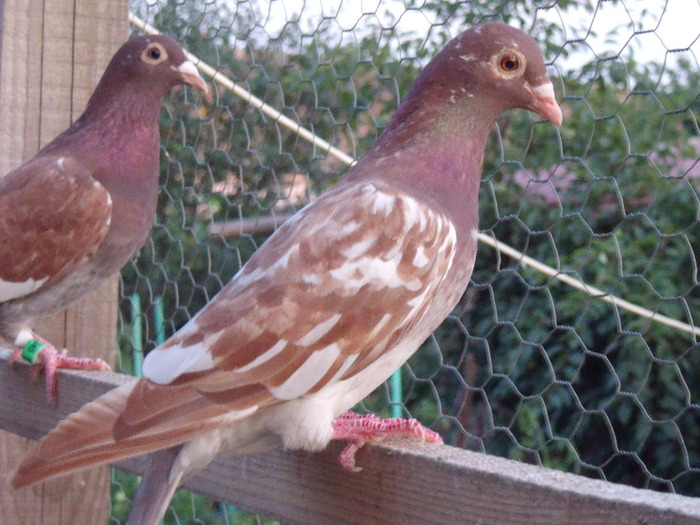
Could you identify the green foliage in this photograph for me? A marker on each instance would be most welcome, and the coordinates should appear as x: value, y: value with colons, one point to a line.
x: 185, y: 507
x: 618, y: 389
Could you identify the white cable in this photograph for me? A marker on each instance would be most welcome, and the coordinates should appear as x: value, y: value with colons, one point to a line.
x: 590, y: 290
x: 347, y: 159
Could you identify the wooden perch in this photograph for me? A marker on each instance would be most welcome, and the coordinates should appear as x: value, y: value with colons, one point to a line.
x: 401, y: 482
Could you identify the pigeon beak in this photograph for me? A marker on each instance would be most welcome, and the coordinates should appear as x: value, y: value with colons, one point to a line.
x: 190, y: 75
x: 546, y: 103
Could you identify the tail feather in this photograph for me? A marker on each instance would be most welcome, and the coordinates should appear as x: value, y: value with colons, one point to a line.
x: 75, y: 443
x: 156, y: 489
x: 85, y: 439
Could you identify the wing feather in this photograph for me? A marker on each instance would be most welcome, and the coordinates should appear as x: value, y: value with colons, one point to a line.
x: 53, y: 217
x: 259, y: 320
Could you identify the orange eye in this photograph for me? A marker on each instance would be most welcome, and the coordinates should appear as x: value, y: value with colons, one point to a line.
x: 509, y: 63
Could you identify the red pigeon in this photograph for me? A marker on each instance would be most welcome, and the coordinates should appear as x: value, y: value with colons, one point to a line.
x: 334, y: 302
x: 77, y: 212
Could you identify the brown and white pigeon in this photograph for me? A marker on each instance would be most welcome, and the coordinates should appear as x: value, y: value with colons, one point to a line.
x: 333, y: 303
x: 84, y: 205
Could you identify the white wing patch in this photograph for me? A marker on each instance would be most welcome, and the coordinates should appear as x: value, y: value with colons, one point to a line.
x: 359, y: 272
x: 356, y: 250
x: 450, y: 239
x: 308, y: 374
x: 163, y: 366
x: 10, y: 290
x: 344, y: 367
x: 414, y: 214
x: 381, y: 203
x: 266, y: 356
x: 420, y: 260
x: 348, y: 228
x: 244, y: 279
x: 318, y: 331
x: 311, y: 278
x: 379, y: 326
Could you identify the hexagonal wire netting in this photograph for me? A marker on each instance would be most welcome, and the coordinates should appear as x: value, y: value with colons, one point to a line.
x: 527, y: 367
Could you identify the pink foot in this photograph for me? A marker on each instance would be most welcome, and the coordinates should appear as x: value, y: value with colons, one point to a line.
x: 43, y: 356
x: 360, y: 429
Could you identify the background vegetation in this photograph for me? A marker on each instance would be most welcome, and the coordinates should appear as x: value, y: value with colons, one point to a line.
x: 525, y: 368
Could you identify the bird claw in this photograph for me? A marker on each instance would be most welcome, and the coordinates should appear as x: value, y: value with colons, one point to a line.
x: 347, y: 456
x: 368, y: 428
x: 42, y: 355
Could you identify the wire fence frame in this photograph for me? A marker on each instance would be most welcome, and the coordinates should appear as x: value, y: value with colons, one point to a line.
x: 471, y: 391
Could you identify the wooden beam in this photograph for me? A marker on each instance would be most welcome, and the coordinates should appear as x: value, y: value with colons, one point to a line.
x: 53, y: 54
x: 401, y: 482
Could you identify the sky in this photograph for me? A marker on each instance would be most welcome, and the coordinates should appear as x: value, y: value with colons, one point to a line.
x: 661, y: 25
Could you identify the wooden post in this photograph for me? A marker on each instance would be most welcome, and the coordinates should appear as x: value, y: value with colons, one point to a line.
x: 53, y: 54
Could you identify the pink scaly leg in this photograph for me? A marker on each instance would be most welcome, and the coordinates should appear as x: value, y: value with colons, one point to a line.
x: 44, y: 356
x: 360, y: 429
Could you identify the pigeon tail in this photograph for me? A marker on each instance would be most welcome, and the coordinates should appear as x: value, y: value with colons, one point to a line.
x: 156, y: 489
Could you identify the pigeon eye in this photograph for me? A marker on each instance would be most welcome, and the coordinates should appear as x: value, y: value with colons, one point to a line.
x: 509, y: 63
x: 154, y: 54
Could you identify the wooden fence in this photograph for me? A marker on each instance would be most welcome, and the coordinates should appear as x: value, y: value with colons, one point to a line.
x: 53, y: 55
x: 401, y: 482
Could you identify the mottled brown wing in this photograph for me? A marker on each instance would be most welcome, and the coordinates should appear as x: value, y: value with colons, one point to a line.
x: 323, y: 298
x: 53, y: 217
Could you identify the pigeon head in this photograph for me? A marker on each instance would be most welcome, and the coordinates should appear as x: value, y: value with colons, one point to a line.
x: 484, y: 71
x: 496, y: 65
x: 505, y: 66
x: 149, y: 64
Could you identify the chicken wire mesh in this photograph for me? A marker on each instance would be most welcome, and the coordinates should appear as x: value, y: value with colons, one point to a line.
x: 526, y: 367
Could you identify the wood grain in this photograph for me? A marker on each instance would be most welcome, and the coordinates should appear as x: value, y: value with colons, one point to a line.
x: 53, y: 54
x: 401, y: 482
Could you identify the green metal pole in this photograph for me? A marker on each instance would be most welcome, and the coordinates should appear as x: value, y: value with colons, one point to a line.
x: 136, y: 334
x: 159, y: 319
x: 396, y: 392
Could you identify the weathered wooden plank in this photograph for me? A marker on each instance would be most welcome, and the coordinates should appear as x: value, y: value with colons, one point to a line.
x: 19, y: 93
x: 401, y: 482
x: 20, y: 100
x: 53, y: 54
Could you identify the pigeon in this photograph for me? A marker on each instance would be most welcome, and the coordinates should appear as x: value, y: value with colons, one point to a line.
x: 84, y: 205
x: 341, y: 295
